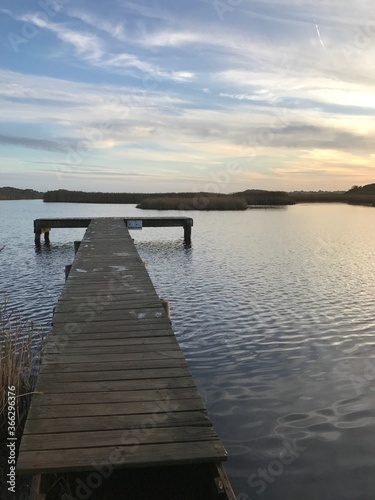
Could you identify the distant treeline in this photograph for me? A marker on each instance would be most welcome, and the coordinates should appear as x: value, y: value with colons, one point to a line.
x: 11, y: 193
x: 64, y: 196
x: 364, y: 195
x: 201, y: 200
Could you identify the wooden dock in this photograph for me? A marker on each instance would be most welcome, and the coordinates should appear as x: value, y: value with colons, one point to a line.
x: 114, y: 388
x: 44, y: 225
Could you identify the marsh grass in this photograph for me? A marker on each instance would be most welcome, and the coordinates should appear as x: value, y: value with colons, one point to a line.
x: 21, y: 346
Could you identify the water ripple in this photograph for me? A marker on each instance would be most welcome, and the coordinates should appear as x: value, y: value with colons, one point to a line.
x: 274, y: 312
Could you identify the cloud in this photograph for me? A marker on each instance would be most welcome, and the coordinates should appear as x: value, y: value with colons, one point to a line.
x: 301, y: 136
x: 93, y: 50
x: 32, y: 143
x: 21, y: 90
x: 175, y: 39
x: 278, y: 89
x: 152, y: 75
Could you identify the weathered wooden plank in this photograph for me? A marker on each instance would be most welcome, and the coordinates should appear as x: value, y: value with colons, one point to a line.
x: 110, y: 305
x: 115, y: 385
x: 108, y: 347
x: 119, y: 396
x: 82, y: 271
x: 49, y: 380
x: 123, y: 456
x: 104, y: 293
x: 57, y: 368
x: 124, y: 357
x: 75, y: 343
x: 153, y: 312
x: 132, y: 328
x: 150, y: 435
x: 114, y: 408
x: 90, y: 296
x: 77, y: 352
x: 109, y: 289
x: 94, y: 263
x: 129, y: 281
x: 161, y: 419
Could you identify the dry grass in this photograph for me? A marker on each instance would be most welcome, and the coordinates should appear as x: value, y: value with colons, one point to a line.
x: 20, y: 349
x: 21, y: 345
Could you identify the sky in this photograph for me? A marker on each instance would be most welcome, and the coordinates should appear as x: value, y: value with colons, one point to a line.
x: 197, y: 95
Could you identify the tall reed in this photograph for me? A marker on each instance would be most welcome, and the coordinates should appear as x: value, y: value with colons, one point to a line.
x: 21, y: 346
x: 204, y: 202
x: 20, y: 350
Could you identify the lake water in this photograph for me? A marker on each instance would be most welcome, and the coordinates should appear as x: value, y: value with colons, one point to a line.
x: 274, y: 310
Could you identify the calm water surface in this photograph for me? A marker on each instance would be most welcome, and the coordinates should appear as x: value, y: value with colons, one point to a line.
x: 274, y: 310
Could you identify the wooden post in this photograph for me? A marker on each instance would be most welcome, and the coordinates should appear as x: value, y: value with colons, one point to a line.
x: 76, y: 246
x: 35, y: 493
x: 46, y: 237
x: 38, y: 232
x: 167, y: 308
x: 187, y: 232
x: 222, y: 484
x: 67, y: 271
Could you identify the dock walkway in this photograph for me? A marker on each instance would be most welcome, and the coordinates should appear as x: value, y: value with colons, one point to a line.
x: 114, y: 386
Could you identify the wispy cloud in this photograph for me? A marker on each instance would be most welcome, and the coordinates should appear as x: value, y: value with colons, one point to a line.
x: 114, y: 28
x: 85, y: 44
x: 145, y: 10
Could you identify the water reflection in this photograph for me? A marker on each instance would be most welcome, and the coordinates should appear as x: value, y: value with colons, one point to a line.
x: 274, y: 312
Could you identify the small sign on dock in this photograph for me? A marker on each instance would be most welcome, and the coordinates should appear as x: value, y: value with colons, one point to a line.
x: 134, y: 224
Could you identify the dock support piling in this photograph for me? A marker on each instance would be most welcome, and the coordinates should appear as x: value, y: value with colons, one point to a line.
x: 38, y: 232
x: 67, y: 271
x: 187, y: 232
x: 35, y: 493
x: 167, y: 308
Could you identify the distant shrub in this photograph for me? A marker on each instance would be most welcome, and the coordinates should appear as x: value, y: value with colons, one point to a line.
x: 262, y: 197
x: 368, y: 189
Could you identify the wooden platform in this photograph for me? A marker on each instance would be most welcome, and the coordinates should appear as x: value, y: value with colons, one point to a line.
x: 44, y: 225
x: 114, y: 387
